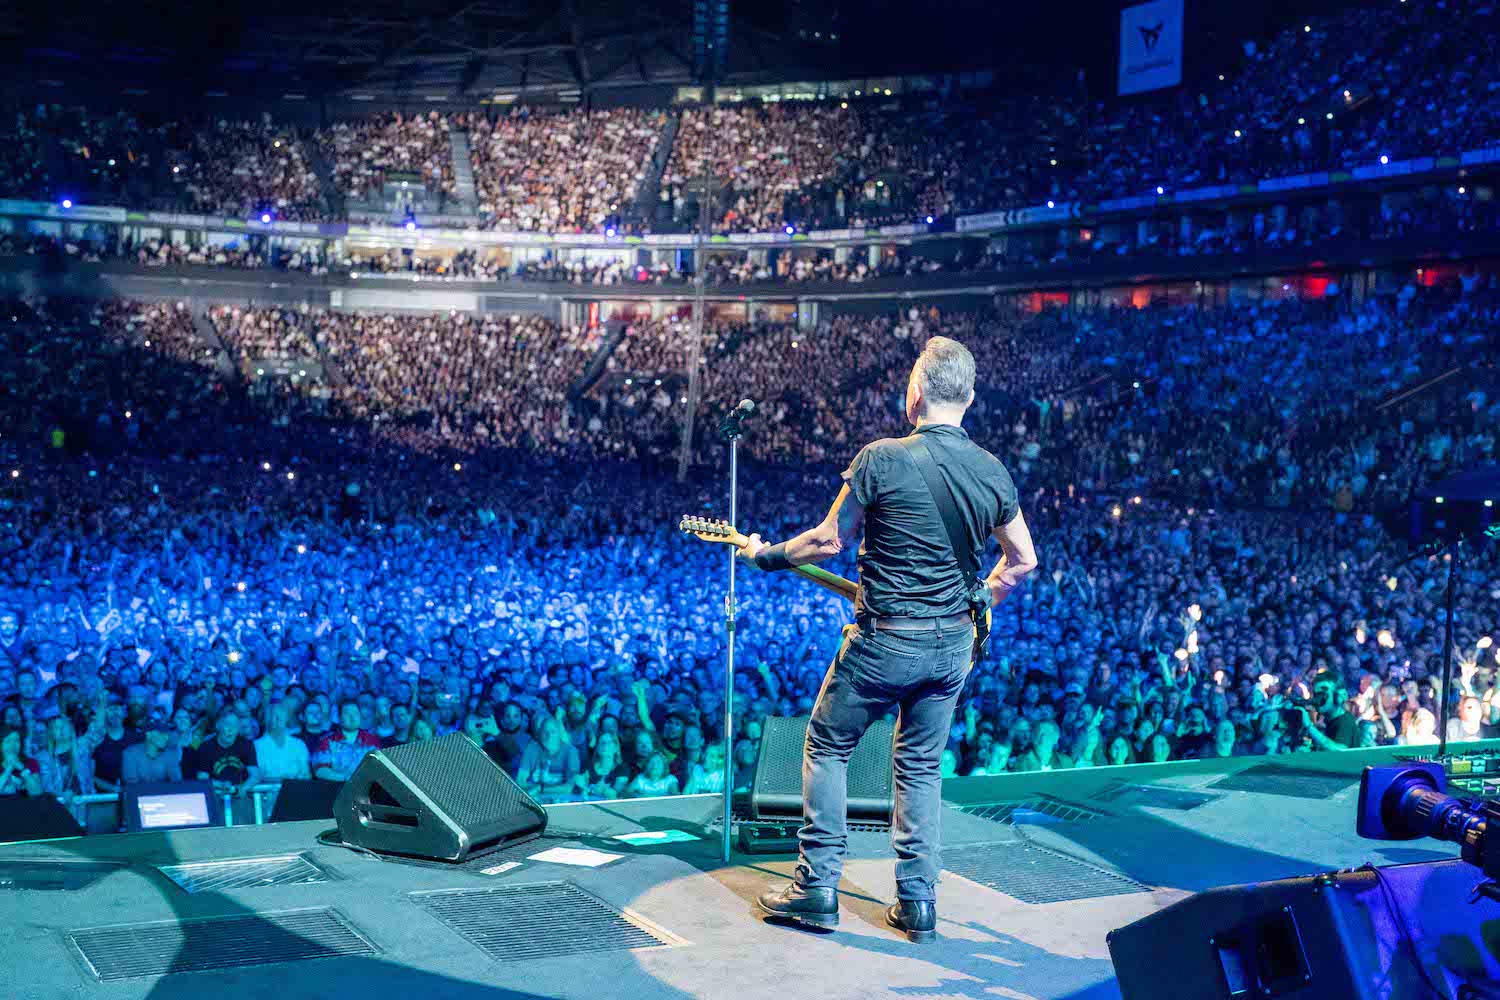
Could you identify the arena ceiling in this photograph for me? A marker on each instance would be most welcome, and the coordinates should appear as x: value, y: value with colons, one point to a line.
x: 462, y: 50
x: 451, y: 48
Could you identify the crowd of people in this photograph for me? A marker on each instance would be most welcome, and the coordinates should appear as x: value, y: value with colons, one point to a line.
x: 260, y: 603
x: 50, y: 151
x: 1396, y: 80
x: 246, y: 170
x: 463, y: 523
x: 364, y: 153
x: 190, y: 588
x: 578, y: 171
x: 456, y: 381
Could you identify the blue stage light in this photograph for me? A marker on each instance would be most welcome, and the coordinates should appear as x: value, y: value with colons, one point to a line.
x: 789, y: 230
x: 411, y: 226
x: 610, y: 232
x: 929, y: 220
x: 265, y: 218
x: 67, y: 203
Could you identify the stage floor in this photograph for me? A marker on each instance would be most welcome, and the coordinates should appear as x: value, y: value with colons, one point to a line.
x: 1050, y: 864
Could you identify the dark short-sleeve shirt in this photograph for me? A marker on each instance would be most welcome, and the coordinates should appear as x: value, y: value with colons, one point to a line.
x: 231, y: 763
x: 906, y: 567
x: 1344, y: 730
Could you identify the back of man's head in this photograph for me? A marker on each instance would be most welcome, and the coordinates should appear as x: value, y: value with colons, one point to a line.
x: 945, y: 372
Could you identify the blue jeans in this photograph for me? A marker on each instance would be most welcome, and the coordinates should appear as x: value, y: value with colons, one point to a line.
x: 921, y: 673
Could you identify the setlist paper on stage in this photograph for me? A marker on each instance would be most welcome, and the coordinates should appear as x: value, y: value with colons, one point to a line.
x: 655, y: 837
x: 576, y: 856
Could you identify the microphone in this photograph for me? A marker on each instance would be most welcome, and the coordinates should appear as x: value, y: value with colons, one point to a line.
x: 730, y: 426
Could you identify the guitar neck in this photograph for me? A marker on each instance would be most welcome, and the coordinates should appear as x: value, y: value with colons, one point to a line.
x: 831, y: 582
x: 722, y: 532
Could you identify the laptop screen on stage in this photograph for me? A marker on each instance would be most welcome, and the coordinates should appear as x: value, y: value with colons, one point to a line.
x: 162, y: 811
x: 170, y: 806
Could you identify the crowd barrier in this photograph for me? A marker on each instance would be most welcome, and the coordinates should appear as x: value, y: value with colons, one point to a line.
x: 99, y: 812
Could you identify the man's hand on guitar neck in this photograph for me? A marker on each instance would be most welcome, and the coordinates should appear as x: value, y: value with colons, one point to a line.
x: 750, y: 549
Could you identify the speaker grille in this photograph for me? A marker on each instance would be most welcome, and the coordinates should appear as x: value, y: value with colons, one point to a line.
x: 778, y: 775
x: 461, y: 779
x: 780, y: 769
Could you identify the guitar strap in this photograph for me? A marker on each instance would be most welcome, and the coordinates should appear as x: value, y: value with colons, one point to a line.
x: 942, y: 497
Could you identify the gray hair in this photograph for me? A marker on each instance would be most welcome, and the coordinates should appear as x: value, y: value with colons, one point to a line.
x: 945, y: 371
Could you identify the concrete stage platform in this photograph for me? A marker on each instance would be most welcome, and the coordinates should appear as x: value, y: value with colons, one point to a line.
x: 1038, y: 868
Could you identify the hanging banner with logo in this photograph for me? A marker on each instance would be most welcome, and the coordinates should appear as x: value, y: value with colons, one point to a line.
x: 1150, y: 46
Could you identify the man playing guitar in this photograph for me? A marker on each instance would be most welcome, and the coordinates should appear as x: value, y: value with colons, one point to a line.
x: 913, y: 641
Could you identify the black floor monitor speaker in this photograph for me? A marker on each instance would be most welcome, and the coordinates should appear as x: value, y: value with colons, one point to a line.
x: 443, y: 799
x: 1400, y: 931
x: 40, y: 818
x: 776, y: 792
x: 302, y: 799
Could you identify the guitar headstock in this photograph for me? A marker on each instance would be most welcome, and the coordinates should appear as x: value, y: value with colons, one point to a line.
x: 712, y: 530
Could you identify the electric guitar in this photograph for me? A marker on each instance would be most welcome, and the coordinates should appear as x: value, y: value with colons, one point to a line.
x: 712, y: 530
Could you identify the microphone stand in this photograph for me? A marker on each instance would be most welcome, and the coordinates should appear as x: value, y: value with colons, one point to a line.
x: 1453, y: 551
x: 731, y: 430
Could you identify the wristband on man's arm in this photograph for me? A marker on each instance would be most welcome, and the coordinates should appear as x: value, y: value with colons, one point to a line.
x: 773, y: 557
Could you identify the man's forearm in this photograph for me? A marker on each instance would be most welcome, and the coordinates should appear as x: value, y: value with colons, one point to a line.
x: 812, y: 546
x: 1006, y: 577
x: 1009, y: 574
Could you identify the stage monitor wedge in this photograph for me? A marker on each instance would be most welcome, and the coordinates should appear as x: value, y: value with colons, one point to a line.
x: 443, y: 799
x: 776, y: 792
x: 40, y: 818
x: 1368, y: 933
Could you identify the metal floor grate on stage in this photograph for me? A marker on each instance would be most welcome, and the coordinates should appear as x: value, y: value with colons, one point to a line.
x: 55, y: 876
x: 245, y: 873
x: 1152, y: 796
x: 1008, y: 812
x: 131, y: 951
x: 1035, y: 874
x: 1278, y: 779
x: 518, y: 923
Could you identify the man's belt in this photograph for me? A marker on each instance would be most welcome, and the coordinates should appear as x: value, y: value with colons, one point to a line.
x: 905, y: 624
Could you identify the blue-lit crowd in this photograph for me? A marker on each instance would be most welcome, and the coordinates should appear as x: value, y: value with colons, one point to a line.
x: 202, y: 581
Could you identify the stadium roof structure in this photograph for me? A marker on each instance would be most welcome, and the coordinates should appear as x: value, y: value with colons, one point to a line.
x: 462, y: 50
x: 392, y: 49
x: 465, y: 50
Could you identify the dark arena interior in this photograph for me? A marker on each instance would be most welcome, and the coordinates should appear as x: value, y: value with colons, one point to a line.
x: 397, y: 597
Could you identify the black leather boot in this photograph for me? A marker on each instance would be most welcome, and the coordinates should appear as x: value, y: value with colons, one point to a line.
x: 916, y: 917
x: 815, y: 907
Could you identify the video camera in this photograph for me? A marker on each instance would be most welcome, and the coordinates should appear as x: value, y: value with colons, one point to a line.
x: 1407, y: 801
